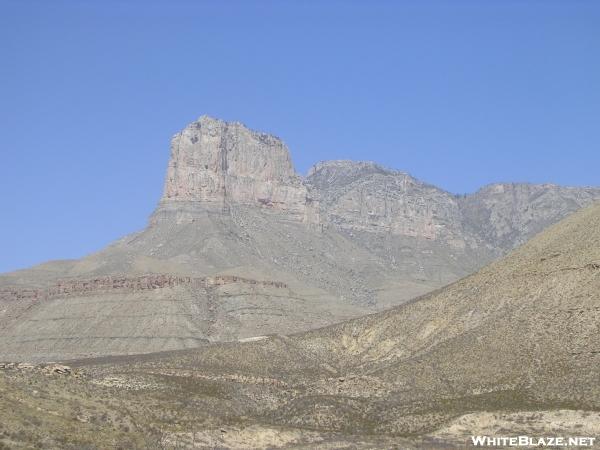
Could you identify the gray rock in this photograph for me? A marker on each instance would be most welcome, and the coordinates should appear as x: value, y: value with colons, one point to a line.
x: 215, y: 165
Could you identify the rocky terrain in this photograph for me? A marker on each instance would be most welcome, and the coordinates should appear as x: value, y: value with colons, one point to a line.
x: 298, y: 253
x: 220, y: 164
x: 511, y: 349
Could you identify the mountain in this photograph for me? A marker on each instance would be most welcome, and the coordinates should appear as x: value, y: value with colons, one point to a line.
x: 507, y: 215
x: 363, y: 197
x: 241, y: 246
x: 510, y: 350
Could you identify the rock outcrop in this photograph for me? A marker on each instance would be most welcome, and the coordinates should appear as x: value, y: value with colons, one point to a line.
x: 216, y: 165
x: 364, y: 196
x: 506, y: 215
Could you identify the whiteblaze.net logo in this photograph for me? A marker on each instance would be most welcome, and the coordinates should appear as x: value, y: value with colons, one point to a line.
x: 528, y: 441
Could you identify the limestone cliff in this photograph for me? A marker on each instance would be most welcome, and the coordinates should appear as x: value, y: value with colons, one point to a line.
x: 364, y: 196
x: 217, y: 165
x: 506, y: 215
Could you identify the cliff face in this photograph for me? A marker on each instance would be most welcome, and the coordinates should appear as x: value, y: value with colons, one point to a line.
x: 366, y: 197
x: 507, y: 215
x: 216, y: 165
x: 362, y: 196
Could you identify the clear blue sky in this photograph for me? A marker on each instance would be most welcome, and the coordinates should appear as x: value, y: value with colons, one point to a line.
x: 457, y: 93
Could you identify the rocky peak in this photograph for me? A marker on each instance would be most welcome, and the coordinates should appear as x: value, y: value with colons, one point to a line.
x: 364, y: 196
x: 347, y: 165
x: 325, y: 174
x: 507, y: 214
x: 216, y: 165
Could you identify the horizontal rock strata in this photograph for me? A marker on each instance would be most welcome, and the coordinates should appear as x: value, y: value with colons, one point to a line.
x: 133, y: 284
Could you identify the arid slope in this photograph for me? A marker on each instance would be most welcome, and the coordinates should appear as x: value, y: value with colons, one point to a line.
x: 511, y: 349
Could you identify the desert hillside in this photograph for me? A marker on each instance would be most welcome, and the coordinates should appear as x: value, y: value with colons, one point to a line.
x: 514, y: 346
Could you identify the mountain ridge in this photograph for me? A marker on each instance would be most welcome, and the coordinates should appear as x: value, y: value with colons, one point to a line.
x: 349, y: 239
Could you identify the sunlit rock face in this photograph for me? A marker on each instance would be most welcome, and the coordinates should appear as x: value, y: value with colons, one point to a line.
x: 366, y: 197
x: 506, y: 215
x: 363, y: 196
x: 216, y: 165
